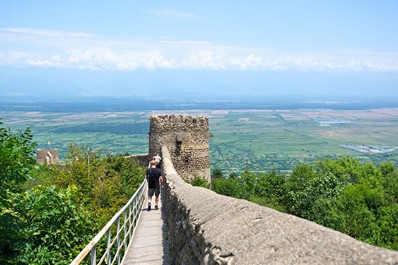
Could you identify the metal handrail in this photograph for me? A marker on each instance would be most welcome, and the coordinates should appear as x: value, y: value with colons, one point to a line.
x: 131, y: 213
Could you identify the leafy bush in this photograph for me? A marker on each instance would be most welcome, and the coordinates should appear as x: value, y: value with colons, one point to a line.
x: 49, y: 213
x: 54, y: 228
x: 16, y: 161
x: 200, y: 182
x: 360, y: 200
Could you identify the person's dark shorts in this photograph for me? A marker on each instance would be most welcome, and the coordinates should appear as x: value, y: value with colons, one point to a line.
x: 153, y: 191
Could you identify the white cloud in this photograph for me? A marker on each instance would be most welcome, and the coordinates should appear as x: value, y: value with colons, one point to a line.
x: 203, y: 60
x: 105, y: 58
x: 49, y: 33
x: 250, y: 62
x: 41, y: 62
x: 62, y: 49
x: 101, y: 58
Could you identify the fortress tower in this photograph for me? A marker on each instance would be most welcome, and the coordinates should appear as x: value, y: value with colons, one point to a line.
x: 187, y: 139
x: 47, y: 156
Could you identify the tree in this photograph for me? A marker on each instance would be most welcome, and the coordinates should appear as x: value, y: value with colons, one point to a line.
x: 387, y: 221
x: 46, y: 219
x: 16, y: 161
x: 270, y: 185
x: 199, y: 182
x: 229, y: 187
x: 296, y: 197
x: 269, y: 190
x: 78, y: 170
x: 104, y: 184
x: 346, y: 169
x: 360, y: 200
x: 53, y: 227
x: 216, y: 174
x: 389, y: 176
x: 130, y: 171
x: 360, y: 220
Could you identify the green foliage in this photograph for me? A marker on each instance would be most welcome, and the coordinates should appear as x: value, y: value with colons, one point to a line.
x: 359, y: 219
x: 264, y: 189
x: 78, y: 170
x: 16, y: 160
x: 200, y: 182
x: 270, y: 188
x: 49, y: 213
x: 388, y: 223
x: 233, y: 175
x: 216, y: 174
x: 130, y: 171
x: 54, y: 228
x: 325, y: 212
x: 300, y: 200
x: 357, y: 199
x: 389, y: 179
x: 104, y: 184
x: 229, y: 187
x: 346, y: 169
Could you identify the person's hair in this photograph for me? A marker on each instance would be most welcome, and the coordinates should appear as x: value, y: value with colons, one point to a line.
x: 153, y: 163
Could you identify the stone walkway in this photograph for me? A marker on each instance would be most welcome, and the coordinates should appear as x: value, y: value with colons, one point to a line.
x: 149, y: 246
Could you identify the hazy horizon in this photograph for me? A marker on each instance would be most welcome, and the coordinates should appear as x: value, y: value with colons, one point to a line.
x: 199, y: 50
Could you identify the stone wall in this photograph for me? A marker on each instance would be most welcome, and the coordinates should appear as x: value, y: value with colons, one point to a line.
x: 47, y: 156
x: 143, y: 159
x: 187, y: 138
x: 207, y: 228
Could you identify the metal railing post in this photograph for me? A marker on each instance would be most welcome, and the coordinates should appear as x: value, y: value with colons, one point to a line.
x: 108, y: 246
x: 131, y: 208
x: 94, y: 255
x: 118, y: 239
x: 130, y: 227
x: 125, y: 235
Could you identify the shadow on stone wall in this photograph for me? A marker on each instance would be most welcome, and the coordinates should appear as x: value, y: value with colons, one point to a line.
x: 207, y: 228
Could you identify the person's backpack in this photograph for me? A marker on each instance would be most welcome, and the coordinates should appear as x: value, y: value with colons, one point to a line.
x: 151, y: 179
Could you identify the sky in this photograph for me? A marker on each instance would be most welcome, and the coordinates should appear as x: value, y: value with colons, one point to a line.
x: 199, y: 49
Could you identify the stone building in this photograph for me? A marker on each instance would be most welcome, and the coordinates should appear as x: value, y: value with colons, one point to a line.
x: 187, y: 139
x: 47, y: 156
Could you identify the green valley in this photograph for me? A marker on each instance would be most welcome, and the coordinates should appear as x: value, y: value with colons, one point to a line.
x: 259, y: 139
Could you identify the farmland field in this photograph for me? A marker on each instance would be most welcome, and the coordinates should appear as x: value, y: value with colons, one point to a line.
x: 259, y: 139
x: 281, y: 139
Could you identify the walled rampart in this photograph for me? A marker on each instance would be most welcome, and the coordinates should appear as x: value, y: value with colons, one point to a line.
x: 186, y: 137
x: 207, y: 228
x: 142, y: 159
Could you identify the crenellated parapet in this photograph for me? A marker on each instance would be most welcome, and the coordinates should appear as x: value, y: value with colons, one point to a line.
x: 170, y: 122
x: 187, y: 138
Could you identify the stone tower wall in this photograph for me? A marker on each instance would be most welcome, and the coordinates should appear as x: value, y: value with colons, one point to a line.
x: 187, y: 139
x: 47, y: 156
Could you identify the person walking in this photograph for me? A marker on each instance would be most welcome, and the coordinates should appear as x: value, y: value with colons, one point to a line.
x: 157, y: 158
x: 155, y: 181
